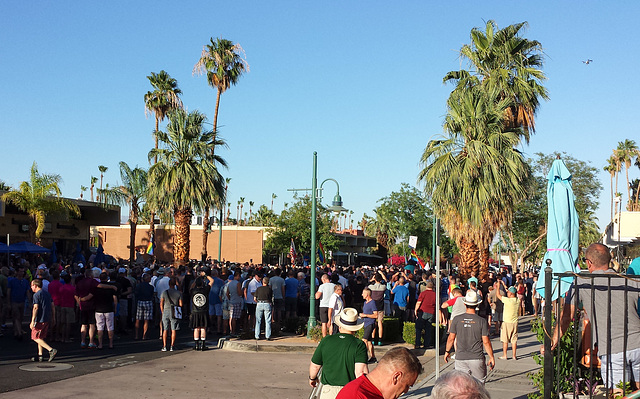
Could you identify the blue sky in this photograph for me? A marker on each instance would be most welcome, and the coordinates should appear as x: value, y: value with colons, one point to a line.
x: 358, y: 82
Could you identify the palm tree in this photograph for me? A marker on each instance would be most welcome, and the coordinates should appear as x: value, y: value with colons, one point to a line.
x: 273, y: 196
x: 251, y: 204
x: 241, y: 205
x: 238, y: 213
x: 228, y: 211
x: 82, y: 190
x: 132, y: 192
x: 612, y: 168
x: 625, y: 152
x: 94, y: 180
x: 475, y: 174
x: 499, y: 59
x: 40, y: 197
x: 163, y: 99
x: 102, y: 170
x: 184, y: 174
x: 224, y: 63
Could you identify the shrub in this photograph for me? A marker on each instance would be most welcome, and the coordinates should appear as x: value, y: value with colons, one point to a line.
x: 315, y: 334
x: 391, y: 329
x: 409, y: 333
x: 295, y: 325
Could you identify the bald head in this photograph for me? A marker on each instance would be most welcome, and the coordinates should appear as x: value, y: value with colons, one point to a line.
x: 599, y: 256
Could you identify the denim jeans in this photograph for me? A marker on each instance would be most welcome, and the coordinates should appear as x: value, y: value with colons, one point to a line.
x: 263, y: 308
x: 424, y: 329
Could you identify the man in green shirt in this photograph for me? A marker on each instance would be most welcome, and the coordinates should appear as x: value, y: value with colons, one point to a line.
x: 343, y: 357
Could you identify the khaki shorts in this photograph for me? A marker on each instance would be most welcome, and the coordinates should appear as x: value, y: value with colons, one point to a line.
x: 329, y: 391
x: 509, y: 333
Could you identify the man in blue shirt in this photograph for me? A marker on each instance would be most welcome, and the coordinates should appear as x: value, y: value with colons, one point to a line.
x: 370, y: 316
x: 40, y: 318
x: 291, y: 295
x: 400, y: 299
x: 17, y: 293
x: 215, y: 304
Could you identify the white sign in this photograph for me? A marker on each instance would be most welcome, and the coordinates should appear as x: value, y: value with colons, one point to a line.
x: 413, y: 241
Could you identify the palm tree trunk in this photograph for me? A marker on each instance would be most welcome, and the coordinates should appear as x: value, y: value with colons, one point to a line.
x: 205, y: 235
x: 626, y: 171
x: 215, y: 117
x: 132, y: 242
x: 469, y: 258
x: 152, y: 218
x: 484, y: 263
x: 611, y: 197
x: 182, y: 241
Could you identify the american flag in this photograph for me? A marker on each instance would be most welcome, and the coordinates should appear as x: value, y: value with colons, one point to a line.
x: 292, y: 252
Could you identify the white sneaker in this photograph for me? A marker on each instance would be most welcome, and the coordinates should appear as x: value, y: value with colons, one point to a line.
x: 171, y: 349
x: 164, y: 349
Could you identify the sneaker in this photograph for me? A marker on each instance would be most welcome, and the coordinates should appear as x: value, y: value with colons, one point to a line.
x: 379, y: 343
x: 171, y: 349
x: 93, y: 346
x: 83, y: 345
x: 164, y: 349
x: 52, y: 354
x: 36, y: 359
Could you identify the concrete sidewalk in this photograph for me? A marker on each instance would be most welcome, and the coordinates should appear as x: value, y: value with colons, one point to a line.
x: 508, y: 379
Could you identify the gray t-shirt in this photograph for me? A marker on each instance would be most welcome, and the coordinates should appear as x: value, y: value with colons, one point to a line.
x: 327, y: 291
x: 469, y: 329
x: 276, y: 283
x: 171, y: 296
x: 597, y: 311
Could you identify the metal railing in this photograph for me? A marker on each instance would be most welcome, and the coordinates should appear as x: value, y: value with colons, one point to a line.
x: 585, y: 298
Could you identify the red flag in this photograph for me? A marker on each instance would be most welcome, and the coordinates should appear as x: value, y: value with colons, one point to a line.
x: 292, y: 252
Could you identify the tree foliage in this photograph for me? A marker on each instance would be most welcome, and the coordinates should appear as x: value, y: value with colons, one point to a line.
x: 295, y: 222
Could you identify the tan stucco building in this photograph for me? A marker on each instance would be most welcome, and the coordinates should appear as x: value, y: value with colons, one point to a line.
x: 239, y: 243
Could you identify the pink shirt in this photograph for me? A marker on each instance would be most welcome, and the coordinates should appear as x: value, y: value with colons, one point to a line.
x: 66, y: 295
x: 54, y: 291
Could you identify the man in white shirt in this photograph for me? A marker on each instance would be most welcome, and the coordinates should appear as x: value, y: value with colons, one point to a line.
x: 249, y: 290
x: 336, y: 304
x: 325, y: 290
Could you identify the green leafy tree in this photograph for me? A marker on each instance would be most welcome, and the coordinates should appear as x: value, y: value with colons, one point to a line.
x: 295, y: 222
x: 133, y: 193
x: 264, y: 217
x: 40, y: 197
x: 185, y: 173
x: 402, y: 214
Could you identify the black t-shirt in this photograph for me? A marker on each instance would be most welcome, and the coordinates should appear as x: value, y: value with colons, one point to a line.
x: 263, y: 294
x: 103, y: 299
x: 200, y: 300
x: 123, y: 284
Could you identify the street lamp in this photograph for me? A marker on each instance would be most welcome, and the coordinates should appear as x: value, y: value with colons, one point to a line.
x: 336, y: 206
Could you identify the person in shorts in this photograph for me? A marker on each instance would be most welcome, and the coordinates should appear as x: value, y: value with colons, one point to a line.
x: 40, y: 319
x: 144, y: 310
x: 509, y: 330
x: 325, y: 290
x: 66, y: 315
x: 236, y: 301
x: 106, y: 302
x: 199, y: 321
x: 370, y: 316
x: 170, y: 298
x: 378, y: 289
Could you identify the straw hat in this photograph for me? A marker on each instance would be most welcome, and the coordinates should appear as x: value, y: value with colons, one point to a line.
x: 472, y: 298
x: 349, y: 320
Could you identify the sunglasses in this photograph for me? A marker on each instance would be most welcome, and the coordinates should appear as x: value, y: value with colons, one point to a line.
x: 586, y: 259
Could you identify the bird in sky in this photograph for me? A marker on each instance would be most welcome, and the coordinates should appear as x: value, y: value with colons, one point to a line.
x: 587, y: 62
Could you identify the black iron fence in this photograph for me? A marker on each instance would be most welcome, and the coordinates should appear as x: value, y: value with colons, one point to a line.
x: 592, y: 335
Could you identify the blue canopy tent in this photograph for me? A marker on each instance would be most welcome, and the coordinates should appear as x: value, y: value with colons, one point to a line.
x: 54, y: 256
x: 562, y: 229
x: 4, y: 248
x: 100, y: 257
x: 25, y: 247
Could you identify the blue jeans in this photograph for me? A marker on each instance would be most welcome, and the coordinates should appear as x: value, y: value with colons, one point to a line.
x: 424, y: 329
x: 263, y: 308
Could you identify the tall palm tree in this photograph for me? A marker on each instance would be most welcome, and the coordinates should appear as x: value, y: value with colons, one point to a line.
x: 82, y: 190
x: 238, y: 214
x: 625, y: 152
x: 94, y: 180
x: 163, y: 99
x: 612, y: 168
x: 241, y: 205
x: 475, y: 174
x: 40, y: 197
x: 132, y: 192
x: 102, y: 170
x: 224, y: 63
x: 502, y: 60
x: 184, y: 174
x: 251, y: 204
x: 228, y: 211
x: 273, y: 196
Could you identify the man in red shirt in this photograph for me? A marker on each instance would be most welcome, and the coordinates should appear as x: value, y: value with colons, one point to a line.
x: 396, y: 372
x: 425, y: 315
